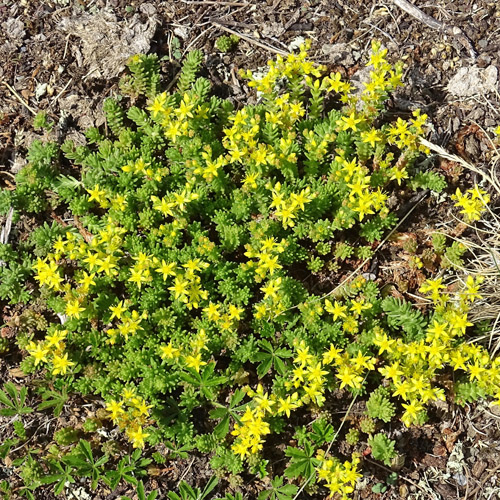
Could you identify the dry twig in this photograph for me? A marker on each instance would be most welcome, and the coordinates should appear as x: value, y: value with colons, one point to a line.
x: 485, y: 254
x: 19, y: 98
x: 217, y: 2
x: 251, y: 40
x: 62, y: 92
x: 4, y: 235
x: 442, y: 152
x: 455, y: 31
x: 344, y: 419
x: 478, y: 489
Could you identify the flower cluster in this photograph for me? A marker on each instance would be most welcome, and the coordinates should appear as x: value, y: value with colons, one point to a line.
x: 267, y: 257
x: 190, y: 356
x: 252, y: 427
x: 308, y: 376
x: 130, y: 413
x: 340, y: 477
x: 294, y: 68
x: 51, y: 350
x: 410, y: 368
x: 287, y: 208
x: 473, y: 202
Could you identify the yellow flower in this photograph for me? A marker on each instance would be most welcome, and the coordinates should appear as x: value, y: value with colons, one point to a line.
x: 250, y: 180
x: 299, y: 200
x: 118, y: 310
x: 438, y: 331
x: 96, y: 194
x: 185, y: 107
x: 115, y: 408
x: 391, y: 371
x: 377, y: 58
x: 336, y: 309
x: 180, y: 288
x: 212, y: 311
x: 235, y: 312
x: 363, y: 205
x: 194, y: 362
x: 402, y: 389
x: 139, y: 276
x: 61, y: 364
x: 47, y: 274
x: 169, y: 351
x: 436, y: 354
x: 472, y: 288
x: 459, y: 322
x: 141, y: 407
x: 457, y: 360
x: 348, y: 376
x: 358, y: 306
x: 59, y: 245
x: 361, y: 361
x: 260, y: 311
x: 333, y: 354
x: 266, y: 262
x: 272, y: 288
x: 349, y: 122
x: 38, y: 351
x: 419, y: 120
x: 73, y: 309
x: 158, y: 105
x: 87, y: 280
x: 314, y: 392
x: 371, y: 137
x: 173, y: 131
x: 264, y: 402
x: 476, y: 370
x: 112, y: 333
x: 107, y: 265
x: 128, y: 394
x: 350, y: 325
x: 285, y: 213
x: 200, y: 341
x: 316, y: 374
x: 473, y: 202
x: 166, y: 269
x: 335, y: 81
x: 286, y: 405
x: 433, y: 286
x: 383, y: 342
x: 137, y: 436
x: 303, y: 356
x: 92, y: 259
x: 411, y: 415
x: 398, y: 174
x: 56, y: 337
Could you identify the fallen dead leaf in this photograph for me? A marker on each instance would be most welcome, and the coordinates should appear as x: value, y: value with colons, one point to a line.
x: 450, y: 438
x: 17, y: 373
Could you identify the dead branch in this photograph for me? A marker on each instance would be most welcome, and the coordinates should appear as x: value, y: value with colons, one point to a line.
x: 19, y: 98
x: 250, y: 39
x: 217, y: 2
x: 455, y: 31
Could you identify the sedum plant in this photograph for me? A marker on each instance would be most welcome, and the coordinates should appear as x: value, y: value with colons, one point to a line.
x: 382, y: 448
x: 226, y: 43
x: 380, y: 406
x: 180, y: 284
